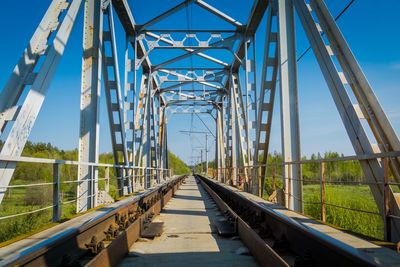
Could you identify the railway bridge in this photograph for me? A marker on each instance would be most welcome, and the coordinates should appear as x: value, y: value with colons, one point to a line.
x: 221, y: 215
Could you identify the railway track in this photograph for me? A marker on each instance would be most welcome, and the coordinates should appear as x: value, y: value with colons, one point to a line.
x: 275, y: 239
x: 103, y: 240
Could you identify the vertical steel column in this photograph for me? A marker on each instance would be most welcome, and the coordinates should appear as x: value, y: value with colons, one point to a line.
x: 217, y: 148
x: 115, y: 106
x: 154, y: 151
x: 163, y: 139
x: 129, y: 103
x: 220, y: 159
x: 140, y: 125
x: 147, y: 133
x: 266, y: 101
x: 250, y: 103
x: 90, y: 98
x: 228, y: 138
x: 233, y: 132
x: 222, y: 139
x: 289, y: 106
x: 243, y: 129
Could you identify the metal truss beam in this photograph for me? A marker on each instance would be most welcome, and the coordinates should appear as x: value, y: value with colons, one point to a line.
x: 266, y: 102
x: 23, y: 74
x: 218, y: 13
x: 112, y: 86
x: 169, y: 88
x: 256, y: 15
x: 153, y: 31
x: 165, y: 14
x: 241, y: 129
x: 196, y: 51
x: 25, y: 116
x: 191, y: 76
x: 167, y: 41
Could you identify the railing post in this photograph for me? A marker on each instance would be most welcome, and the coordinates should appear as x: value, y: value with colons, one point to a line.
x: 273, y: 179
x: 146, y: 178
x: 386, y: 201
x: 260, y: 182
x: 323, y: 201
x: 56, y: 193
x: 127, y: 175
x: 133, y: 179
x: 122, y: 181
x: 288, y: 188
x: 93, y: 186
x: 107, y: 179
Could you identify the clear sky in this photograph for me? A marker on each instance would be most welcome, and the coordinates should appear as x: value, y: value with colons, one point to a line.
x: 370, y: 27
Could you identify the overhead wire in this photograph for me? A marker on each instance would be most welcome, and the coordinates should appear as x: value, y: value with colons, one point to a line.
x: 344, y: 10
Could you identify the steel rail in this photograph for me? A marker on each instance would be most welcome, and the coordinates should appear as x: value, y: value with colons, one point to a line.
x: 262, y: 252
x: 311, y: 247
x: 86, y: 244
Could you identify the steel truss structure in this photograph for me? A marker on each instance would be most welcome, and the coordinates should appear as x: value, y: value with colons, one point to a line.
x: 139, y: 103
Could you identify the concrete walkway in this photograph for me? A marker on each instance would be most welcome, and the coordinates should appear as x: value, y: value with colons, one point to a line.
x: 189, y: 236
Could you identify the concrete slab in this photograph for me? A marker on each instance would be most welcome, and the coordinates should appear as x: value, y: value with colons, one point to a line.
x: 189, y: 236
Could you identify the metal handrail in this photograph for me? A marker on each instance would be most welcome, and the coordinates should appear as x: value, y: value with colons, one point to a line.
x: 148, y: 172
x: 71, y: 162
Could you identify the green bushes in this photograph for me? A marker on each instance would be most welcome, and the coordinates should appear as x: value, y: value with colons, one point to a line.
x: 177, y: 165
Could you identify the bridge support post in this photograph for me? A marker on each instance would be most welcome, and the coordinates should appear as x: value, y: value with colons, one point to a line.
x: 56, y: 193
x: 90, y: 98
x: 289, y: 106
x: 220, y: 159
x: 323, y: 201
x: 266, y: 100
x: 232, y: 130
x: 107, y: 179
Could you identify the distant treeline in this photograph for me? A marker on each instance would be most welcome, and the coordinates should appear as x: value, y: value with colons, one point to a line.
x: 340, y: 171
x: 337, y: 171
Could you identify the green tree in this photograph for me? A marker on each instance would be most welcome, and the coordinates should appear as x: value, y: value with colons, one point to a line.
x: 177, y: 165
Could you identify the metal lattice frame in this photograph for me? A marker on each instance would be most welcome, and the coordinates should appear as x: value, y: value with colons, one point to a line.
x: 241, y: 108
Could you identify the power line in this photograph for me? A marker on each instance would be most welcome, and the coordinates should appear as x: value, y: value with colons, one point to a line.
x: 336, y: 18
x: 205, y: 125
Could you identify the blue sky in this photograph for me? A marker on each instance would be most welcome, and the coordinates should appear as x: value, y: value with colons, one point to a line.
x: 371, y: 30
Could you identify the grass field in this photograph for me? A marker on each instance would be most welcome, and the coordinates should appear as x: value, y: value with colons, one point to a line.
x: 356, y: 197
x: 352, y: 196
x: 21, y: 200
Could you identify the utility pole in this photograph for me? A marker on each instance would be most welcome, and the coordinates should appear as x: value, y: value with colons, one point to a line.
x: 206, y: 154
x: 206, y: 147
x: 201, y: 159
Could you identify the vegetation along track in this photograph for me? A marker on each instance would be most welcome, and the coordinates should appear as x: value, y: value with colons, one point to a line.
x: 104, y: 240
